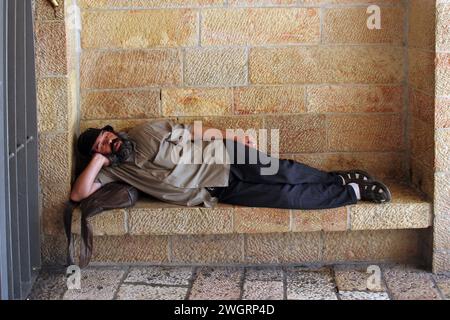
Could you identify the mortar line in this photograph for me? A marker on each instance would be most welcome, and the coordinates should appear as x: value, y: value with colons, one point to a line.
x: 284, y: 273
x: 242, y: 282
x: 199, y: 30
x: 438, y: 289
x: 192, y: 279
x: 225, y: 5
x: 122, y: 280
x: 406, y: 107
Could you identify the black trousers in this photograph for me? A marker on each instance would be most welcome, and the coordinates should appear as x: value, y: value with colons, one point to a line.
x: 294, y: 186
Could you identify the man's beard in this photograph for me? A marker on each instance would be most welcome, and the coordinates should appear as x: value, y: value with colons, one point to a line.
x: 124, y: 152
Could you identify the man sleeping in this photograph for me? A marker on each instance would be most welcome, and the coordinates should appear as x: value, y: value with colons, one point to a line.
x: 178, y: 164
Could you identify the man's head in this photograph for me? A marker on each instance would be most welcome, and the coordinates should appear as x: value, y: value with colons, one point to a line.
x: 113, y: 145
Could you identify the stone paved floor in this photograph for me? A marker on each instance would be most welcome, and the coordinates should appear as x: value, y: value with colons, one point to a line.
x: 349, y: 282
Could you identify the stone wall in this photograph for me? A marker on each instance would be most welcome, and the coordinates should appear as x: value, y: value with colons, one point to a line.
x: 310, y: 68
x: 421, y: 84
x: 442, y: 137
x: 56, y: 72
x: 343, y: 96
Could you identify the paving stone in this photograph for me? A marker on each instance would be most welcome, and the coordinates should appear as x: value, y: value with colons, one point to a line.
x: 443, y: 283
x: 263, y: 274
x: 350, y: 278
x: 50, y: 285
x: 263, y: 290
x: 161, y: 275
x: 217, y: 284
x: 143, y: 292
x: 96, y: 284
x: 310, y: 285
x: 410, y: 284
x: 361, y: 295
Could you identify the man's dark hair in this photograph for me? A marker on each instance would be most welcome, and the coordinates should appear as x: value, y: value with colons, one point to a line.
x: 87, y: 139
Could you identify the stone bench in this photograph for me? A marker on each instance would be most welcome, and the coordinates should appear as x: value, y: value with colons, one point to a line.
x: 159, y: 233
x: 408, y: 210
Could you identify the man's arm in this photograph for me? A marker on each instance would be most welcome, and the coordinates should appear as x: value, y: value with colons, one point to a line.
x: 84, y: 186
x: 207, y: 135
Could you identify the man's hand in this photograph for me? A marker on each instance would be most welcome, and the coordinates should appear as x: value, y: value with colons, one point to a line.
x: 104, y: 160
x: 84, y: 186
x: 247, y: 140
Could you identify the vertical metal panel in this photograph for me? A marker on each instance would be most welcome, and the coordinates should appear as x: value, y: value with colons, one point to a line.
x: 21, y: 149
x: 4, y: 237
x: 12, y: 96
x: 19, y: 219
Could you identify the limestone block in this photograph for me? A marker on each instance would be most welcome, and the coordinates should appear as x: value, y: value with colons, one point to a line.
x: 167, y: 221
x: 217, y: 284
x: 52, y: 104
x: 347, y: 2
x: 319, y: 220
x: 442, y: 27
x: 421, y: 105
x: 442, y: 137
x: 379, y: 164
x: 442, y: 74
x: 215, y: 67
x: 283, y: 247
x: 269, y: 99
x: 310, y: 285
x: 410, y: 284
x: 143, y: 292
x: 120, y: 104
x: 365, y: 132
x: 53, y: 198
x: 45, y: 11
x: 442, y: 194
x: 333, y: 98
x: 299, y: 133
x: 441, y: 261
x: 207, y: 249
x: 326, y: 64
x: 421, y: 32
x: 54, y: 159
x: 422, y: 141
x: 118, y: 125
x: 349, y: 25
x: 50, y: 48
x: 390, y: 216
x: 422, y: 70
x: 197, y: 102
x: 261, y: 220
x: 422, y: 177
x: 260, y: 26
x: 442, y: 231
x: 129, y: 249
x: 139, y: 29
x: 91, y: 4
x: 386, y: 245
x: 442, y: 114
x: 260, y: 2
x: 130, y: 69
x: 108, y: 223
x: 54, y: 250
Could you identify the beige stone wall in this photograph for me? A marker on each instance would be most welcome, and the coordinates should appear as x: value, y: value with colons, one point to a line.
x: 421, y: 92
x: 310, y: 68
x: 57, y: 115
x: 342, y: 96
x: 441, y: 255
